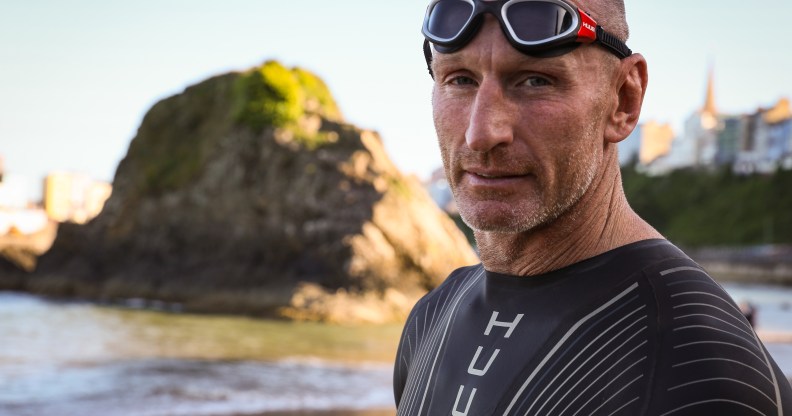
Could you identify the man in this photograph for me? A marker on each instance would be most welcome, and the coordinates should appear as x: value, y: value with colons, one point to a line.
x: 579, y: 307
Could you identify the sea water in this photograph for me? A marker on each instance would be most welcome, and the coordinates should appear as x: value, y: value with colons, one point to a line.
x: 72, y: 358
x: 78, y: 358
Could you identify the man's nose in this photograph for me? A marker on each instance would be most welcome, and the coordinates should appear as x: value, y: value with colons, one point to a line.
x: 490, y: 123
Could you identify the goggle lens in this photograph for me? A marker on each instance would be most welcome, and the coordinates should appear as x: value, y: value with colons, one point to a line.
x: 534, y: 21
x: 448, y: 17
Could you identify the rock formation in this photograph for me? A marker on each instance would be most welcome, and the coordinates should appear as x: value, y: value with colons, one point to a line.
x: 247, y: 193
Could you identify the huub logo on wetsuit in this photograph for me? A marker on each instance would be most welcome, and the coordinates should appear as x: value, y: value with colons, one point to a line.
x: 472, y: 370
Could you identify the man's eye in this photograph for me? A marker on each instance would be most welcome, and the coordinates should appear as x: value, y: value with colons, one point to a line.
x: 460, y: 80
x: 537, y: 82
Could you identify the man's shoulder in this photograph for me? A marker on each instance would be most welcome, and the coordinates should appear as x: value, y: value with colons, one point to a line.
x: 664, y: 265
x: 459, y: 279
x: 648, y: 255
x: 710, y: 360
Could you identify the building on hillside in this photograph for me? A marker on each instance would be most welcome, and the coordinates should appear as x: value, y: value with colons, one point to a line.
x: 766, y: 142
x: 760, y: 142
x: 13, y: 193
x: 703, y: 127
x: 681, y: 155
x: 647, y: 143
x: 656, y: 141
x: 779, y: 135
x: 72, y: 197
x: 18, y: 214
x: 697, y: 146
x: 22, y: 221
x: 751, y: 146
x: 729, y: 138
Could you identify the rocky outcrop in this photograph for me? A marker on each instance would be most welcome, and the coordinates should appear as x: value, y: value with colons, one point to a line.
x: 248, y: 193
x: 19, y: 253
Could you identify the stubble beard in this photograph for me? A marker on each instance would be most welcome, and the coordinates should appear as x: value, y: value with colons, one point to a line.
x: 536, y: 211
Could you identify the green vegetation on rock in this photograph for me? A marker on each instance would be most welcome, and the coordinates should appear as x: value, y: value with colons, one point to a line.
x: 317, y: 95
x: 274, y: 96
x: 179, y: 132
x: 714, y: 209
x: 269, y: 95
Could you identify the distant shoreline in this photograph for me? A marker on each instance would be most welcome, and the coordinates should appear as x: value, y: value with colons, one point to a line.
x: 764, y: 264
x: 743, y: 272
x: 770, y: 263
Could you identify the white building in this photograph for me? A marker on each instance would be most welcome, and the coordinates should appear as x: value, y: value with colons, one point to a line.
x: 766, y: 144
x: 697, y: 146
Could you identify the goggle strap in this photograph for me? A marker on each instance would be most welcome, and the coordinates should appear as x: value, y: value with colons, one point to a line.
x: 427, y: 50
x: 613, y: 43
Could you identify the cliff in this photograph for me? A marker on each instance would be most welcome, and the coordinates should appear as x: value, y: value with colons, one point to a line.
x: 248, y: 193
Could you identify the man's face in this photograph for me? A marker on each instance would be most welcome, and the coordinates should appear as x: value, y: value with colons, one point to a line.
x: 521, y: 137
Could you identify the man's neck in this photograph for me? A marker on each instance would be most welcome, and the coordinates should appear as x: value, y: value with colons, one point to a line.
x: 601, y: 221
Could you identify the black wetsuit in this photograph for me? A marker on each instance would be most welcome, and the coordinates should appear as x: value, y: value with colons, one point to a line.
x: 639, y: 330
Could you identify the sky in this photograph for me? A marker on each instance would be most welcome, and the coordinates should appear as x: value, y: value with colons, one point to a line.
x: 77, y: 76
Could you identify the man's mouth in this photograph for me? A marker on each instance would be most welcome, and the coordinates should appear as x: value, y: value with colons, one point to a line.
x: 487, y: 176
x: 495, y: 179
x: 496, y: 175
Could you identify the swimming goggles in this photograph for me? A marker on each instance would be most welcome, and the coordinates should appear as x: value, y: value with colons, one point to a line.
x: 534, y: 27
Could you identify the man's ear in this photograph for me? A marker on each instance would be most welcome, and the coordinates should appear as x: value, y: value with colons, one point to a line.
x: 633, y: 78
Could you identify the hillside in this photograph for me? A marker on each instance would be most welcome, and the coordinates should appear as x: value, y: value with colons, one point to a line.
x: 695, y: 208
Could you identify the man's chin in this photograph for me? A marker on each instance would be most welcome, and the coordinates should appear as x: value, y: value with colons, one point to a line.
x: 506, y: 220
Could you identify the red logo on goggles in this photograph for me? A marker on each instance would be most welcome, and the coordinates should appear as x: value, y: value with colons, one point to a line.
x: 588, y: 28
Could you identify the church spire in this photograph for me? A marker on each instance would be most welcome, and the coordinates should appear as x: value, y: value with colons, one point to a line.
x: 709, y: 103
